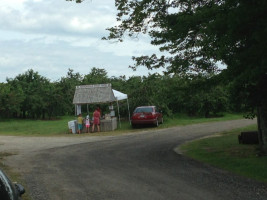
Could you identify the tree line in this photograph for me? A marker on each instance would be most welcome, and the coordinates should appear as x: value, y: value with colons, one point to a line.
x: 30, y: 95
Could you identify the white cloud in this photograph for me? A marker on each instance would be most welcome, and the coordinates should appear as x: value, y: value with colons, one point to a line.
x: 80, y: 24
x: 11, y: 3
x: 51, y: 36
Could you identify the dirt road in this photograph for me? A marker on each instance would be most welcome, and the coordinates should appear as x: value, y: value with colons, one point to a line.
x: 139, y: 165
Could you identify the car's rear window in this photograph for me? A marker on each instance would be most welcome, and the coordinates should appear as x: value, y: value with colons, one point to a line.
x: 141, y: 110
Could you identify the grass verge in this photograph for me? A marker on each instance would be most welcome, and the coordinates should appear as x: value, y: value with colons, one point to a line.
x: 182, y: 119
x: 226, y: 153
x: 20, y: 127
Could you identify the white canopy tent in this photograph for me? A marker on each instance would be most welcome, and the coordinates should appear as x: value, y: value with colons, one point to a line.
x: 121, y: 96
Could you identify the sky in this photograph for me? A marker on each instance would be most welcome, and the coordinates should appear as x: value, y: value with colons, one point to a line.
x: 52, y: 36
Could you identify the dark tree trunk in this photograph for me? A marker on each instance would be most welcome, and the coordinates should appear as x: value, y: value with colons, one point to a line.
x: 262, y: 128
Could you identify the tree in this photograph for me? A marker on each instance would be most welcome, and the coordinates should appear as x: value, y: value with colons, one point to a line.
x: 32, y: 85
x: 10, y: 100
x: 66, y: 87
x: 199, y: 34
x: 96, y: 76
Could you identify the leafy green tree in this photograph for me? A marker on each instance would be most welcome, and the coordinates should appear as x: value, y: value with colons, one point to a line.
x: 66, y: 88
x: 196, y: 95
x: 32, y: 85
x: 198, y: 34
x: 213, y: 101
x: 156, y: 92
x: 120, y: 84
x: 10, y: 100
x: 135, y: 91
x: 208, y: 94
x: 96, y: 76
x: 53, y: 101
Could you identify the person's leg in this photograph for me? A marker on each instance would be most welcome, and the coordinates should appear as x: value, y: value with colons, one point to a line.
x: 93, y: 128
x: 80, y: 127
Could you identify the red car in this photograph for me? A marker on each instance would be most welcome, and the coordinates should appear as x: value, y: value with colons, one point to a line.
x: 146, y: 115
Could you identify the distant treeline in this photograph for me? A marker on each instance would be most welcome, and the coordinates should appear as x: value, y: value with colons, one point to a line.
x: 30, y: 95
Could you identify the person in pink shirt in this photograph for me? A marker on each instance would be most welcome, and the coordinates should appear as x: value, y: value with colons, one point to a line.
x: 96, y: 122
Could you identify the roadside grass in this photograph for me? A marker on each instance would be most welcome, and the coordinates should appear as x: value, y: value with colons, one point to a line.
x: 183, y: 119
x: 57, y: 127
x: 225, y: 152
x: 28, y: 127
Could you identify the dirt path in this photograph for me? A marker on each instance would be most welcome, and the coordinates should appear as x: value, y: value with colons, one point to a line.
x: 23, y: 147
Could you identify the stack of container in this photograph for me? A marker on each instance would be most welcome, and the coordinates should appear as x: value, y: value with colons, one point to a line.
x: 72, y: 126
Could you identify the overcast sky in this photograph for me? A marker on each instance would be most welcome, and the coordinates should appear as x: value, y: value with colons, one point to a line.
x: 51, y: 36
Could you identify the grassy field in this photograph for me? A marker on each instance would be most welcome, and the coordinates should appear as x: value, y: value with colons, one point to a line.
x: 225, y: 152
x: 60, y: 126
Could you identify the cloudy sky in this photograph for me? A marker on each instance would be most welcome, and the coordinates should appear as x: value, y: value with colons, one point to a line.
x: 51, y: 36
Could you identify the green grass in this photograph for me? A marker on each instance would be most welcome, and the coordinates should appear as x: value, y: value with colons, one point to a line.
x: 35, y: 127
x: 20, y: 127
x: 182, y: 119
x: 225, y: 152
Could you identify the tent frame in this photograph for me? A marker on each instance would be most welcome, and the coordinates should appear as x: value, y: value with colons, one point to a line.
x: 78, y: 100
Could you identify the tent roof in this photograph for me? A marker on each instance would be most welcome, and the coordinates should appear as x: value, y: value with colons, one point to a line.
x: 89, y: 94
x: 119, y: 95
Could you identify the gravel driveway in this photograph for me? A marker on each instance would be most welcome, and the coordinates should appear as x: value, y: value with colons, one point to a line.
x: 141, y: 165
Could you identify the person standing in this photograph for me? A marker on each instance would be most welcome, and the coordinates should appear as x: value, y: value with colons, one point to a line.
x: 96, y: 122
x: 80, y: 123
x: 87, y: 123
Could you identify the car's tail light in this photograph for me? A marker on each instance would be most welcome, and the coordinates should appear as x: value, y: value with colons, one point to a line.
x: 150, y: 115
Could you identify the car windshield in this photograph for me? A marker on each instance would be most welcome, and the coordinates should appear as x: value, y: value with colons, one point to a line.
x: 141, y: 110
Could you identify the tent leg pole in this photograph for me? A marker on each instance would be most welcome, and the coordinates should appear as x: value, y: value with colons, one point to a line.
x: 119, y: 113
x: 129, y: 111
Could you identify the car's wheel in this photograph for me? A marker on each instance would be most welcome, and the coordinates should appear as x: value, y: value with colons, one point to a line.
x: 133, y: 125
x: 157, y: 123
